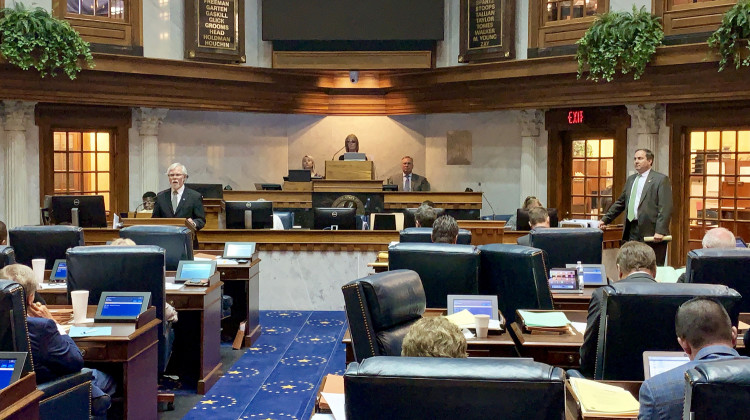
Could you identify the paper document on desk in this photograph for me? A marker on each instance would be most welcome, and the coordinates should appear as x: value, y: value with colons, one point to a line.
x: 172, y: 286
x: 224, y: 261
x: 55, y: 285
x: 465, y: 319
x: 550, y: 319
x: 603, y: 399
x: 90, y: 331
x: 336, y: 403
x: 579, y: 326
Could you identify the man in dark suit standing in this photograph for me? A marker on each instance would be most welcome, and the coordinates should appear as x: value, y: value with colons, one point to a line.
x: 408, y: 181
x: 179, y: 201
x: 647, y: 197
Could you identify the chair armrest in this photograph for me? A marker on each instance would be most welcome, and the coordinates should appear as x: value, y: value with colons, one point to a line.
x: 69, y: 394
x: 574, y: 373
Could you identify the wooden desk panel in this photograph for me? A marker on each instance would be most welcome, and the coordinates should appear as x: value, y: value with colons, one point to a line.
x: 484, y: 231
x: 560, y: 350
x: 573, y: 301
x: 20, y: 400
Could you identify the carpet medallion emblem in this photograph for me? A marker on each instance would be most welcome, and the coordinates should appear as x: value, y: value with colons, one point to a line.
x: 315, y: 339
x: 287, y: 387
x: 303, y: 360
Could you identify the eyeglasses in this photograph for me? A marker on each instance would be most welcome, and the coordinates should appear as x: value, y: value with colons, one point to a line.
x: 175, y: 175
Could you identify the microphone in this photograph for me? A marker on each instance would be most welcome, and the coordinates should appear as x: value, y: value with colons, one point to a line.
x: 337, y: 152
x: 136, y: 208
x: 489, y: 204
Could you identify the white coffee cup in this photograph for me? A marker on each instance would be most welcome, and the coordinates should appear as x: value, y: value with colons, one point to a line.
x: 482, y: 323
x: 80, y: 300
x: 37, y: 264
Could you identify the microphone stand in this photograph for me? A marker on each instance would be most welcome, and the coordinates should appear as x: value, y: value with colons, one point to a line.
x: 337, y: 152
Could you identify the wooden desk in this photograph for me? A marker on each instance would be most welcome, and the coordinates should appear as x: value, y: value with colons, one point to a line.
x: 20, y: 401
x: 198, y: 327
x: 497, y: 344
x: 484, y: 231
x: 573, y: 301
x: 136, y: 358
x: 560, y: 350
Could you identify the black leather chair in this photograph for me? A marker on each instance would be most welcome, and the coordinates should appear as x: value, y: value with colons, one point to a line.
x: 445, y: 269
x: 287, y: 218
x: 380, y: 309
x: 121, y: 269
x: 569, y: 245
x: 517, y: 275
x: 48, y: 242
x: 176, y: 240
x: 721, y: 266
x: 7, y: 255
x: 444, y: 388
x: 419, y: 234
x: 69, y: 394
x: 636, y: 317
x: 718, y: 390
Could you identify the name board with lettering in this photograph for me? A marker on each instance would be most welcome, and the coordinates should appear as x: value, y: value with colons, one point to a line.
x: 215, y: 30
x: 487, y: 30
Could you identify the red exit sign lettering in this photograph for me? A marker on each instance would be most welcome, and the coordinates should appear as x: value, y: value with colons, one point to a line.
x: 575, y: 117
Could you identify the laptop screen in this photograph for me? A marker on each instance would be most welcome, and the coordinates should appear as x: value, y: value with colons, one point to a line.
x: 122, y: 306
x: 59, y: 271
x: 7, y: 367
x: 563, y: 279
x: 656, y: 362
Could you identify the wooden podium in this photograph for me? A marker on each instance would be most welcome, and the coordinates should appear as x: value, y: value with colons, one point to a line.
x: 349, y: 170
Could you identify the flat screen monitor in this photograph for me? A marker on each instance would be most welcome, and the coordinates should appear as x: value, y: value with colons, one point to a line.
x: 299, y: 175
x: 410, y: 216
x: 593, y: 274
x: 522, y: 219
x: 59, y: 271
x: 355, y: 156
x: 563, y: 280
x: 121, y: 306
x: 239, y: 250
x: 384, y: 222
x: 11, y: 367
x: 207, y: 190
x: 476, y: 304
x: 335, y: 218
x: 189, y: 270
x: 260, y: 214
x: 90, y: 210
x: 267, y: 187
x: 741, y: 243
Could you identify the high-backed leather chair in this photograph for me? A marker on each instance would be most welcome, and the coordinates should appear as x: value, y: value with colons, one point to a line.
x: 380, y: 309
x: 445, y: 388
x: 69, y: 394
x: 121, y: 269
x: 569, y: 245
x: 7, y: 255
x: 176, y: 240
x: 721, y: 266
x: 287, y: 218
x: 445, y: 269
x: 718, y: 390
x: 636, y: 317
x: 48, y: 242
x: 420, y: 234
x: 517, y: 275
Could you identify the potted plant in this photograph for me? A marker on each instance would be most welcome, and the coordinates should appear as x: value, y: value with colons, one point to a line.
x: 731, y: 39
x: 33, y: 38
x: 619, y: 39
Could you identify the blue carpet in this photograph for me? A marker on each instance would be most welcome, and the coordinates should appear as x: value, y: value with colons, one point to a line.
x: 279, y: 376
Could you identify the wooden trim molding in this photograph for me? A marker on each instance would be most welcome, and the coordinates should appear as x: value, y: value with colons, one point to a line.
x: 355, y: 60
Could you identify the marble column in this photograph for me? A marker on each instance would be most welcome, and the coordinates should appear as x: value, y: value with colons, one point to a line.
x: 531, y: 121
x: 149, y: 120
x: 16, y: 115
x: 646, y: 120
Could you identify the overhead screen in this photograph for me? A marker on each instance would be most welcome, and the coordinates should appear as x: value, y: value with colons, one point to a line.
x: 352, y: 20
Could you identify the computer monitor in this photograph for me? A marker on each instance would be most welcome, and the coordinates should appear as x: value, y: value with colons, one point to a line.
x: 299, y: 175
x: 207, y: 190
x: 410, y: 216
x: 337, y: 218
x: 259, y: 214
x: 740, y: 243
x: 11, y: 367
x: 522, y: 219
x: 355, y: 156
x: 90, y: 210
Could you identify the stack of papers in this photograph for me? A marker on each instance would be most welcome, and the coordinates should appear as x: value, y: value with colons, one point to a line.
x: 465, y: 319
x: 552, y: 321
x: 602, y: 400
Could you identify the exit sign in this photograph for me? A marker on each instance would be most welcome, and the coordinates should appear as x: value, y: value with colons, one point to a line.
x: 575, y: 117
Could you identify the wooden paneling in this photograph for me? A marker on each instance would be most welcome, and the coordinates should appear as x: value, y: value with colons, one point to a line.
x: 102, y: 30
x: 359, y: 60
x: 691, y: 18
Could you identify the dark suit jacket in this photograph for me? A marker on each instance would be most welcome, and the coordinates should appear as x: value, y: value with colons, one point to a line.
x: 418, y: 182
x: 654, y: 210
x: 191, y: 206
x: 54, y: 355
x: 591, y: 336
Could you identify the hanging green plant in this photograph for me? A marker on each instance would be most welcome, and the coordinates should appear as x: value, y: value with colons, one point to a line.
x: 731, y: 39
x: 619, y: 39
x: 33, y: 38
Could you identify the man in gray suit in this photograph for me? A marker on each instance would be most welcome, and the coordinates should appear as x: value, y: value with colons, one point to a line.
x: 647, y: 197
x: 408, y: 181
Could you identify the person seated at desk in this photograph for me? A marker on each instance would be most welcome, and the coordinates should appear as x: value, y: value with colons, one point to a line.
x: 529, y: 203
x: 636, y: 262
x: 149, y: 199
x: 351, y: 145
x: 425, y: 216
x: 445, y: 230
x: 309, y: 163
x: 705, y: 333
x: 54, y: 353
x: 715, y: 238
x: 406, y: 179
x: 178, y: 200
x: 434, y: 337
x: 538, y: 219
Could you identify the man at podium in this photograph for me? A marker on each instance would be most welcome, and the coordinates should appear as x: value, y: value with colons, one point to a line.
x: 179, y: 201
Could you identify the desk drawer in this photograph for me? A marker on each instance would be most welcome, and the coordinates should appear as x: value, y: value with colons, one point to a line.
x: 93, y: 351
x: 563, y: 358
x: 234, y: 273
